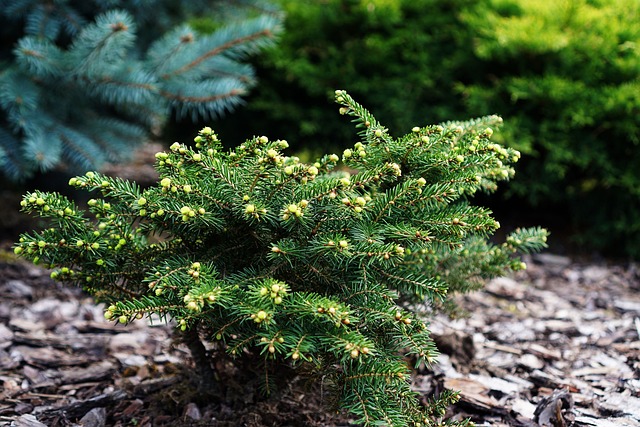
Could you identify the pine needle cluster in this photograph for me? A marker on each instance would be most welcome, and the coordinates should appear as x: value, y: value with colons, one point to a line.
x: 310, y: 265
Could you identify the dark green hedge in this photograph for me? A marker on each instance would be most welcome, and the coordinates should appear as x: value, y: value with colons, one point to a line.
x: 566, y: 80
x: 564, y: 75
x: 396, y: 56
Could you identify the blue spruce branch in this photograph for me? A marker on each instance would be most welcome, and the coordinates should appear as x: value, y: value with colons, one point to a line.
x: 68, y: 79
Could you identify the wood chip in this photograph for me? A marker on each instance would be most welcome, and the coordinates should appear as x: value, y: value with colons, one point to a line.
x: 543, y: 352
x: 473, y: 393
x: 51, y: 357
x: 78, y: 409
x: 620, y: 404
x: 601, y: 370
x: 555, y: 410
x: 628, y: 306
x: 28, y: 420
x: 605, y: 422
x: 523, y: 408
x: 496, y: 384
x: 500, y: 347
x: 26, y: 325
x: 531, y: 362
x: 93, y: 372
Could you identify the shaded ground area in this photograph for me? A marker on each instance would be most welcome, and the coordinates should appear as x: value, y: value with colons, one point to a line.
x: 62, y: 364
x: 557, y: 345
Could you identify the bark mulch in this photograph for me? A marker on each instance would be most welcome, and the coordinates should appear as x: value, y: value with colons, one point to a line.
x: 557, y: 345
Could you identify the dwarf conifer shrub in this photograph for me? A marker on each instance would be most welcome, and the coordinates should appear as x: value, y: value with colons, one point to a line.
x: 305, y: 265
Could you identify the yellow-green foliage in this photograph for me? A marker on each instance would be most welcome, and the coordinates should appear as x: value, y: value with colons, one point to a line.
x: 566, y: 75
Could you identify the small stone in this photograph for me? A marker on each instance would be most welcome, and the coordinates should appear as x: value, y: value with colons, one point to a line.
x: 97, y: 417
x: 192, y: 411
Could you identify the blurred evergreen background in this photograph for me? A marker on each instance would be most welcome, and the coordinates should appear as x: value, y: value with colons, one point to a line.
x: 564, y: 75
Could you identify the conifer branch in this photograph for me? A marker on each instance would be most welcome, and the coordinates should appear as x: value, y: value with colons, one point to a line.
x: 202, y: 99
x: 73, y: 76
x: 217, y: 50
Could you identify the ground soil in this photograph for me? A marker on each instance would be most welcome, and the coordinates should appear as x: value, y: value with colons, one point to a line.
x: 557, y: 345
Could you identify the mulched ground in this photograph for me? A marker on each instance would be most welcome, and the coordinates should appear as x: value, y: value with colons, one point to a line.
x: 557, y: 345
